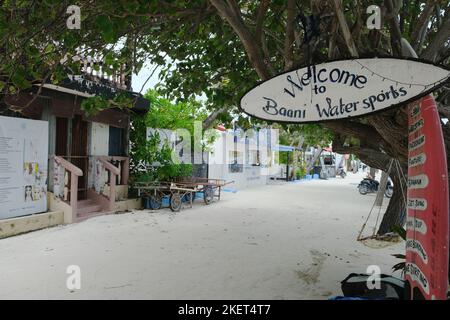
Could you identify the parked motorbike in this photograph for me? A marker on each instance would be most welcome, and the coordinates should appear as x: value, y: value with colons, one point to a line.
x: 368, y: 185
x: 341, y: 173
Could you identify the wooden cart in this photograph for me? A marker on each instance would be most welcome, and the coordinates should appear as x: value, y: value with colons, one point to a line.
x: 179, y: 190
x: 157, y: 190
x: 211, y: 188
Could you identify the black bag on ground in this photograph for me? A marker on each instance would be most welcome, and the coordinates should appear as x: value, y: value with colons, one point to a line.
x: 356, y: 285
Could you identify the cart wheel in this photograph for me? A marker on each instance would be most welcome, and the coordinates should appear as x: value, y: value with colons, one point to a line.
x: 208, y: 195
x: 175, y: 202
x: 155, y: 202
x: 188, y: 196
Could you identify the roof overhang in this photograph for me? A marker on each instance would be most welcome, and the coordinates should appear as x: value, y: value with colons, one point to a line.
x: 80, y: 86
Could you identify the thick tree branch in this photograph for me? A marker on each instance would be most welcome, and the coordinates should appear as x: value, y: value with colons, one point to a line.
x: 371, y: 157
x: 393, y: 10
x: 394, y: 26
x: 344, y: 28
x: 250, y: 45
x: 263, y: 7
x: 260, y: 35
x: 333, y: 39
x: 421, y: 26
x: 207, y: 123
x: 393, y: 133
x: 234, y: 7
x: 358, y: 25
x: 439, y: 41
x: 444, y: 111
x: 290, y: 36
x: 362, y: 131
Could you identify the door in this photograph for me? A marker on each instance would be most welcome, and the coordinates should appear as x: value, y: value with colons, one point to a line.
x: 79, y: 153
x: 116, y: 147
x: 62, y: 125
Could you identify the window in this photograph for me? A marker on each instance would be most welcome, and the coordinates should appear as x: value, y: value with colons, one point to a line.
x: 236, y: 162
x: 116, y: 142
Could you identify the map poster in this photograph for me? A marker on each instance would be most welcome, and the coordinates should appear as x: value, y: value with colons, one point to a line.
x: 23, y: 166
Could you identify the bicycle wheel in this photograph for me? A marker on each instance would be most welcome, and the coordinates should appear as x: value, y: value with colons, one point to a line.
x: 208, y: 194
x: 175, y: 202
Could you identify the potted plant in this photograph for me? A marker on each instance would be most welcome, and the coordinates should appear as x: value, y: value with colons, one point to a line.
x: 300, y: 172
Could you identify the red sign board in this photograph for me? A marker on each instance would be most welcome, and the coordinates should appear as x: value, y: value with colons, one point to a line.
x: 427, y: 222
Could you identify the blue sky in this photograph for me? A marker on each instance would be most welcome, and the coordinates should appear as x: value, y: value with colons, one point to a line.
x: 138, y: 80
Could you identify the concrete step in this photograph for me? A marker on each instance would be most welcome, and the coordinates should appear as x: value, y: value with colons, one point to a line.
x: 87, y: 207
x: 86, y: 203
x: 91, y: 215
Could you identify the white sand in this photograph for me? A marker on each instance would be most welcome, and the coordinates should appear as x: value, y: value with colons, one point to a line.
x: 286, y: 241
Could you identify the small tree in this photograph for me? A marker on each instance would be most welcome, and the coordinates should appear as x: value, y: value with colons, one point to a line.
x: 151, y: 158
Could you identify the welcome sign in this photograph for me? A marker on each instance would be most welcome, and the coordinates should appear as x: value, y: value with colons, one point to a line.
x: 342, y: 89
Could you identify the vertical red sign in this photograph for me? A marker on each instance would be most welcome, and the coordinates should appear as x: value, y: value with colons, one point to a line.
x: 427, y: 224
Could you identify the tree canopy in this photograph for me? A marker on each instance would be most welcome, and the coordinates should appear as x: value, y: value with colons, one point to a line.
x: 222, y: 48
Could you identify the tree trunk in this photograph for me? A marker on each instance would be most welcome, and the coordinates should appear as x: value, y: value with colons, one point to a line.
x: 372, y: 172
x: 395, y: 212
x: 376, y: 159
x: 381, y: 189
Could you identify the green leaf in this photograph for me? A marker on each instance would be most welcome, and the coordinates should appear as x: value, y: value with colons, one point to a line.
x: 109, y: 59
x: 400, y: 231
x: 49, y: 48
x: 19, y: 80
x: 106, y: 29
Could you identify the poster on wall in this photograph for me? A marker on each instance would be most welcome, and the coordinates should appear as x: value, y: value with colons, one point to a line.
x: 23, y: 166
x: 342, y: 89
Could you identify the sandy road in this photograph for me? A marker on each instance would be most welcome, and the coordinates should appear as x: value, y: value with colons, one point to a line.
x: 287, y: 241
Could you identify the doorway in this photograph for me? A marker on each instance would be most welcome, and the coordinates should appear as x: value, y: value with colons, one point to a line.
x: 71, y: 144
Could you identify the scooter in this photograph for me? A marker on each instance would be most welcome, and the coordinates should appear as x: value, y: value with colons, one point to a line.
x: 341, y: 173
x: 368, y: 185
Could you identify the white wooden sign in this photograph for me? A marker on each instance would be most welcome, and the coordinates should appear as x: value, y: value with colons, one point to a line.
x: 342, y: 89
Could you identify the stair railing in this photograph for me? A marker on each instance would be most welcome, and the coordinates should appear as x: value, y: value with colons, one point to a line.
x: 75, y: 172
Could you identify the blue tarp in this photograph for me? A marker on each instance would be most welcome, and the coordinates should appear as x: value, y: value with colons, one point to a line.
x: 283, y: 148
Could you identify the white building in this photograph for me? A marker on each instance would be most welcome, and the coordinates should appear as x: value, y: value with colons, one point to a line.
x: 246, y: 157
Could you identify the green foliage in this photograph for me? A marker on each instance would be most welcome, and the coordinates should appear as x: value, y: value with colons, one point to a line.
x: 166, y: 114
x: 143, y: 152
x: 150, y: 159
x: 283, y: 157
x: 303, y: 135
x: 300, y: 172
x: 400, y: 231
x: 198, y: 51
x: 93, y: 105
x: 170, y: 171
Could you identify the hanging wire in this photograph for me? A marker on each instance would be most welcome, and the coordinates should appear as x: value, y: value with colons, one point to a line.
x: 404, y: 180
x: 379, y: 210
x: 359, y: 238
x: 404, y: 83
x: 364, y: 225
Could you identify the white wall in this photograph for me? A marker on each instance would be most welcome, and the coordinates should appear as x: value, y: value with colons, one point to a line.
x: 221, y: 157
x: 98, y: 146
x: 99, y: 141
